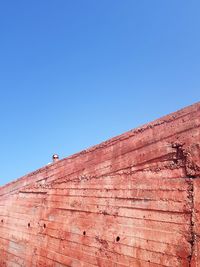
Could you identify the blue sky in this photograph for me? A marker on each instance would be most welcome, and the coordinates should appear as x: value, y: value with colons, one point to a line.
x: 75, y: 73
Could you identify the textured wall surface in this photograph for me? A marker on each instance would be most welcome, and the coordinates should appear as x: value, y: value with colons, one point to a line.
x: 133, y: 200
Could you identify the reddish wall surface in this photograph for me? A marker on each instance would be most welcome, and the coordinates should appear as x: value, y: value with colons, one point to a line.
x: 133, y: 200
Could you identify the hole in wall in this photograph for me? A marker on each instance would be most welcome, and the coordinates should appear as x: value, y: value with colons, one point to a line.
x: 1, y: 220
x: 84, y: 232
x: 29, y: 225
x: 44, y: 226
x: 117, y: 238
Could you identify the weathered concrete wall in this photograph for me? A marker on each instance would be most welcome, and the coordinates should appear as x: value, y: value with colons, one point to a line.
x: 131, y: 201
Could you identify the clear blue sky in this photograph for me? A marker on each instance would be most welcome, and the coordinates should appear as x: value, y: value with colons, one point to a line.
x: 75, y: 73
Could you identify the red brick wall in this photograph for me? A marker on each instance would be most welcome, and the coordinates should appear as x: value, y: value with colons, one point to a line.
x: 133, y: 200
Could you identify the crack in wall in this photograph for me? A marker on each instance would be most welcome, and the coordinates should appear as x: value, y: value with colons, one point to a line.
x: 192, y: 234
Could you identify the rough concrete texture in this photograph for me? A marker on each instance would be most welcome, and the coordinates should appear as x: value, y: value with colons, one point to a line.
x: 133, y: 200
